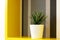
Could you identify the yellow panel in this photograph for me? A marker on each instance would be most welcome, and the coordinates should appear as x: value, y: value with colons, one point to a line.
x: 31, y: 39
x: 13, y: 18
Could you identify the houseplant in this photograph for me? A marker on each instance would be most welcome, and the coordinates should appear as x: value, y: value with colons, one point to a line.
x: 37, y: 25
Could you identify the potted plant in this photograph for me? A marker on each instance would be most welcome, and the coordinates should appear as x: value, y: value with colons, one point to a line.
x: 37, y: 26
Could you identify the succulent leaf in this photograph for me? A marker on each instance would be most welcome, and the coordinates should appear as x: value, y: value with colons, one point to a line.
x: 38, y: 17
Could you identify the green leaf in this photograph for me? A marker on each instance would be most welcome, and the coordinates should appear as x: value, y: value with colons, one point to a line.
x: 38, y: 17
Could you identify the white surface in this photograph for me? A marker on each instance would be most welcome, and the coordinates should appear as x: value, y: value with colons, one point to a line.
x: 58, y: 18
x: 2, y: 15
x: 36, y: 31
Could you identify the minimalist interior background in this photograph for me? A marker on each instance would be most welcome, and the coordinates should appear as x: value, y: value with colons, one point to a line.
x: 38, y: 5
x: 28, y: 7
x: 14, y: 16
x: 2, y: 5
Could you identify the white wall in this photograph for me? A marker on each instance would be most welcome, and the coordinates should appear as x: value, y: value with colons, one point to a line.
x: 58, y: 18
x: 2, y: 15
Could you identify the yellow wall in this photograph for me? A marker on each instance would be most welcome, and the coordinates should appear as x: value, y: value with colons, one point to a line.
x: 14, y: 18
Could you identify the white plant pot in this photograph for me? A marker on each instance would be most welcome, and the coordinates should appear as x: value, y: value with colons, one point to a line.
x: 36, y: 31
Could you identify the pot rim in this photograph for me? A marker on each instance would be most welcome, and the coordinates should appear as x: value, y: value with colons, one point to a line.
x: 36, y: 24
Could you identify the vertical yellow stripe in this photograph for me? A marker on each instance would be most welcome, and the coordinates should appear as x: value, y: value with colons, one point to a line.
x: 13, y: 18
x: 20, y: 18
x: 6, y: 18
